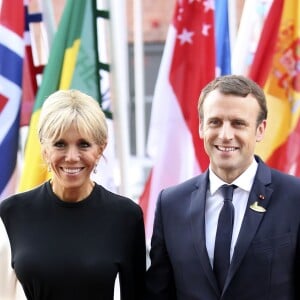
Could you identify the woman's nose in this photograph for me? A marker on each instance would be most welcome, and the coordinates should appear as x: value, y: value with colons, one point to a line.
x: 72, y: 154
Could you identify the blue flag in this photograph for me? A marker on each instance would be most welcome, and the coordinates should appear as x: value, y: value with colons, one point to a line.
x: 222, y: 38
x: 11, y: 66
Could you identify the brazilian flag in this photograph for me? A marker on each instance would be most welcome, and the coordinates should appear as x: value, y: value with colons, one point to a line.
x: 73, y: 63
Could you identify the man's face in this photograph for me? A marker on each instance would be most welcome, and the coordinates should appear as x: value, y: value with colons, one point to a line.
x: 230, y: 132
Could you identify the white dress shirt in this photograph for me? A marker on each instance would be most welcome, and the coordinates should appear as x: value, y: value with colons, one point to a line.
x: 214, y: 203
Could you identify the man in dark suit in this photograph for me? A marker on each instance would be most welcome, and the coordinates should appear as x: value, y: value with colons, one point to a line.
x: 264, y: 246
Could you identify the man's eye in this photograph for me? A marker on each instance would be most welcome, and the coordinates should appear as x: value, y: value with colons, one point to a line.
x: 239, y: 123
x: 214, y: 122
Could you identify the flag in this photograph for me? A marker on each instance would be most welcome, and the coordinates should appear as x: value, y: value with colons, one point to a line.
x: 261, y: 65
x: 11, y: 65
x: 222, y: 40
x: 276, y: 68
x: 30, y: 71
x: 187, y: 65
x: 251, y: 23
x: 73, y: 63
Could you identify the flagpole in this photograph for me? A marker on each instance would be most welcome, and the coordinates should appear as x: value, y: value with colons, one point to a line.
x: 49, y: 20
x: 139, y: 79
x: 120, y: 88
x: 232, y: 21
x: 241, y: 49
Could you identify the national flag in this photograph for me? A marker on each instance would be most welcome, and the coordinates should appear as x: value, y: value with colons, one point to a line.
x: 188, y: 64
x: 249, y: 30
x: 222, y: 39
x: 30, y: 70
x: 276, y: 68
x: 261, y: 65
x: 73, y: 63
x: 11, y: 65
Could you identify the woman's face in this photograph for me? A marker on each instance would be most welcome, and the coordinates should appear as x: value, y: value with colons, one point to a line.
x: 72, y: 158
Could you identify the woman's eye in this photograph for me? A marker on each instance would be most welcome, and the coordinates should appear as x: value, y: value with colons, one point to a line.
x: 59, y: 144
x: 84, y: 145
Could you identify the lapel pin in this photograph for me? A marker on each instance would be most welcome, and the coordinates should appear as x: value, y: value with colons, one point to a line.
x: 262, y: 197
x: 257, y: 207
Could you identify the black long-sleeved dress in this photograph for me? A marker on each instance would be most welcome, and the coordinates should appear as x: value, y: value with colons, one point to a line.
x: 68, y: 251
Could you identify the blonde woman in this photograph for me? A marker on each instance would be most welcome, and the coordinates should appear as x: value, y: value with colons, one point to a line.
x: 69, y: 238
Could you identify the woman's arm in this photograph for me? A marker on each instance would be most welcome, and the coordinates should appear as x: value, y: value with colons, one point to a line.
x: 132, y: 273
x: 10, y: 287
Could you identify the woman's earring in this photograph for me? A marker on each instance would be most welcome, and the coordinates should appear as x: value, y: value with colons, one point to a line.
x: 49, y: 168
x: 95, y: 168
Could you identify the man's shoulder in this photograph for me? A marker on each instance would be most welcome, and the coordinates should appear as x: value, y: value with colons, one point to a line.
x: 278, y: 178
x: 285, y: 179
x: 186, y: 186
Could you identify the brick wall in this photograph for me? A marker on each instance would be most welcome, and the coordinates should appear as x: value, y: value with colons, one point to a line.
x: 157, y: 15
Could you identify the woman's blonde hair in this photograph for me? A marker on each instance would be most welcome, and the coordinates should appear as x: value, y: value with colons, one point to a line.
x: 72, y: 107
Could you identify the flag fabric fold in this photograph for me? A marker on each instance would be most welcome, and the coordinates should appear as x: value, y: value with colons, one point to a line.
x: 188, y: 63
x: 276, y: 68
x: 11, y: 65
x: 30, y: 71
x: 251, y: 22
x: 261, y: 64
x: 73, y: 63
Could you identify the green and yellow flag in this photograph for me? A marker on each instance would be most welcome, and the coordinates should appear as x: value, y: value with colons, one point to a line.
x: 73, y: 63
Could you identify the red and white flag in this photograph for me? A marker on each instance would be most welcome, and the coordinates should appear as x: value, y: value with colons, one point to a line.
x: 188, y: 64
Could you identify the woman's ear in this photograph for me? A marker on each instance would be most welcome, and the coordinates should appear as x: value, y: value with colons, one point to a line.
x: 44, y: 155
x: 101, y: 149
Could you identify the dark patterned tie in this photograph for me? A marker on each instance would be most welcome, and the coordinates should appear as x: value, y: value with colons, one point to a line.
x: 223, y: 236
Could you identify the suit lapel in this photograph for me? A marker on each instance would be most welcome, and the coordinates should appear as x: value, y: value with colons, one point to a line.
x: 197, y: 217
x: 260, y: 196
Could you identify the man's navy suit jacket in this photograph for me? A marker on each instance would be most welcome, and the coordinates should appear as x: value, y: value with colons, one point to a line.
x: 266, y: 260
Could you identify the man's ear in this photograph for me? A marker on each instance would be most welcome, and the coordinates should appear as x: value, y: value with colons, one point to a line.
x: 260, y: 131
x: 200, y: 129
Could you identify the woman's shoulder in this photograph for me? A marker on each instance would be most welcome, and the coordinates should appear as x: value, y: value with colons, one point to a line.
x: 118, y: 200
x: 20, y: 200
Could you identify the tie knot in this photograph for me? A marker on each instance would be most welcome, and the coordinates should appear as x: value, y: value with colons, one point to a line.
x: 227, y: 191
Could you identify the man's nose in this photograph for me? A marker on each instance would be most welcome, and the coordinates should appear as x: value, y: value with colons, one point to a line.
x: 226, y: 131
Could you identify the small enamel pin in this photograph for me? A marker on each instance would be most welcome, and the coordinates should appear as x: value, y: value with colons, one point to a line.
x: 257, y: 207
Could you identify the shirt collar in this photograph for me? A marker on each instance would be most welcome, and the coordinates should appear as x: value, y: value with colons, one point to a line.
x: 244, y: 181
